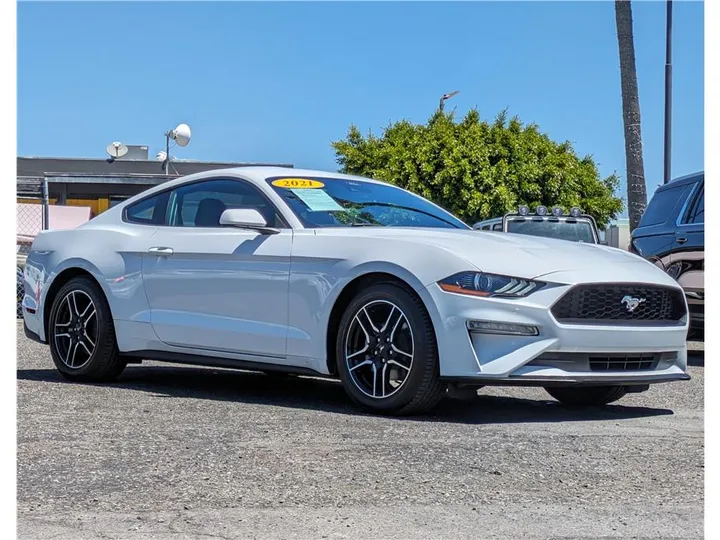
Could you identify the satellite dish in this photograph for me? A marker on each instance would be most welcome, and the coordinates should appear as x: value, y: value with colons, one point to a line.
x: 116, y: 150
x: 161, y: 156
x: 181, y: 135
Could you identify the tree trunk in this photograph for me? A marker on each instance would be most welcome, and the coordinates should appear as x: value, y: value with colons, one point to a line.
x: 636, y: 193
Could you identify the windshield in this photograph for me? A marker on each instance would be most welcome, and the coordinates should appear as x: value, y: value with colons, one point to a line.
x: 335, y: 202
x: 580, y: 231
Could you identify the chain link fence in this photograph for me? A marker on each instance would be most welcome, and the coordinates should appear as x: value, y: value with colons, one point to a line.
x: 31, y: 219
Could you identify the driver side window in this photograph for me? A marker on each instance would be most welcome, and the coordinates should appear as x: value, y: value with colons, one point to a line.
x: 201, y: 204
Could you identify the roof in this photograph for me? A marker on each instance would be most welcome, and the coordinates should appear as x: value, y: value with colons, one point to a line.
x: 261, y: 172
x: 619, y: 222
x: 682, y: 180
x: 44, y: 166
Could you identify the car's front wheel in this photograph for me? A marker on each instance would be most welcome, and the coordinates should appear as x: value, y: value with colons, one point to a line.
x: 386, y: 352
x: 586, y: 396
x: 81, y: 333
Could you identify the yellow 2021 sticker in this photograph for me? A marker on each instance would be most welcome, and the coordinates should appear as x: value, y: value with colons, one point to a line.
x: 297, y: 183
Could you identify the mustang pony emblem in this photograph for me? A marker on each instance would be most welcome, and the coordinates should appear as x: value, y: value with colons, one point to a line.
x: 631, y: 303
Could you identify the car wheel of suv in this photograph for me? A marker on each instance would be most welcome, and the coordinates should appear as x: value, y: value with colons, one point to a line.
x: 586, y: 396
x: 81, y: 334
x: 386, y: 352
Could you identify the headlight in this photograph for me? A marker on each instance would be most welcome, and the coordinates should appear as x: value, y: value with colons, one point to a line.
x: 489, y: 285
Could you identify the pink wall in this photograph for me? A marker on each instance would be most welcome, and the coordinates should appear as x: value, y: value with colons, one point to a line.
x: 29, y: 218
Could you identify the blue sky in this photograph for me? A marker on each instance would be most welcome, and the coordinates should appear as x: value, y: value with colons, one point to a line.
x: 278, y: 82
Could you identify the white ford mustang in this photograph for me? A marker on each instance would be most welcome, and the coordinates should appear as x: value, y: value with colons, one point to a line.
x: 296, y: 271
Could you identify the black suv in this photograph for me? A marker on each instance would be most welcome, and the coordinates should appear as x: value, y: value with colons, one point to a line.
x: 671, y: 234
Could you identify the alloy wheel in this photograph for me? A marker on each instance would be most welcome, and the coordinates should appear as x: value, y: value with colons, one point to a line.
x: 76, y: 329
x: 379, y: 349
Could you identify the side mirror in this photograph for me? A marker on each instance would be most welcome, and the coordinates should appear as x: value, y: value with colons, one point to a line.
x: 246, y: 218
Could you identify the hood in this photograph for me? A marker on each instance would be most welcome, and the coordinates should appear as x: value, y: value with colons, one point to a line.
x: 522, y: 255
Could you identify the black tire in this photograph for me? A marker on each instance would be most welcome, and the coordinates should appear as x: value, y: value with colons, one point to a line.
x: 586, y: 396
x: 105, y: 363
x: 421, y: 388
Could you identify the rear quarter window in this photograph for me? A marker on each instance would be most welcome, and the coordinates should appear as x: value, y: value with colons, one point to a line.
x: 696, y: 214
x: 150, y: 211
x: 661, y: 206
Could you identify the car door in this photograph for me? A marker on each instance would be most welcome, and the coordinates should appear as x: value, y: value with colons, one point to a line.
x: 687, y: 262
x: 217, y: 288
x: 655, y: 237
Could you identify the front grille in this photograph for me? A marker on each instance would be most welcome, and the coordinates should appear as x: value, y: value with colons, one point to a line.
x: 621, y: 363
x: 603, y: 303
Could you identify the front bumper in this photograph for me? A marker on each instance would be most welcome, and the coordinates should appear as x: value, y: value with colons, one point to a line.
x: 32, y: 320
x: 560, y: 354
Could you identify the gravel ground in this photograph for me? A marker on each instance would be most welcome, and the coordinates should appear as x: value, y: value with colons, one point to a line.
x: 173, y: 452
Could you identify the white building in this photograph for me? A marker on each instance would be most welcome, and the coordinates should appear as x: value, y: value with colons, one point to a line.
x: 618, y: 234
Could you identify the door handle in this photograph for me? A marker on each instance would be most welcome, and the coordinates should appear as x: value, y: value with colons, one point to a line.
x: 161, y: 250
x: 681, y: 240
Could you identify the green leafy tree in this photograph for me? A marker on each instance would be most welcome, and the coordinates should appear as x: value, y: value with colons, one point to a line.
x: 477, y: 170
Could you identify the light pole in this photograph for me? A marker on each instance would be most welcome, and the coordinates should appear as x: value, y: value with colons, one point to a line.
x: 446, y: 97
x: 668, y: 90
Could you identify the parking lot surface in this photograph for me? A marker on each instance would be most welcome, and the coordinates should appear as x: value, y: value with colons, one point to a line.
x: 170, y: 452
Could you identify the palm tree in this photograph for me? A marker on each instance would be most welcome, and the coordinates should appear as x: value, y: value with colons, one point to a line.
x: 636, y: 193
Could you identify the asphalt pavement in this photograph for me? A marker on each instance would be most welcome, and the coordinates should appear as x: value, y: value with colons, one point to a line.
x: 172, y: 452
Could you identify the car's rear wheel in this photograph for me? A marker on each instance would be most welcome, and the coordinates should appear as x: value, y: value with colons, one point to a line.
x: 386, y: 352
x: 81, y: 333
x: 586, y: 396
